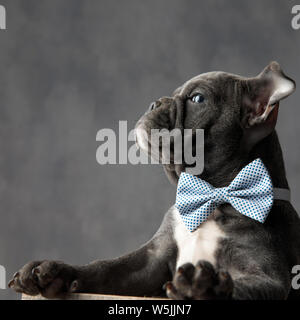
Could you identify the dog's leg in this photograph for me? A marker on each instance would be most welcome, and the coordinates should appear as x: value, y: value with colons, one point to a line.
x: 259, y: 288
x: 143, y: 272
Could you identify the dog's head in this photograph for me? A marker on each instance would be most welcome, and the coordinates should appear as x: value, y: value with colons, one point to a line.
x: 234, y: 112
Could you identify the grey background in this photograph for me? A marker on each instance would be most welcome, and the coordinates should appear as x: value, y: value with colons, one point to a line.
x: 69, y: 68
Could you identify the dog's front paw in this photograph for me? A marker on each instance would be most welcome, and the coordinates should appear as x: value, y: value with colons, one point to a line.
x: 200, y: 282
x: 49, y: 278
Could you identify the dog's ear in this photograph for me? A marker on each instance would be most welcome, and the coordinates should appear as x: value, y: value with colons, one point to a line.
x: 260, y: 101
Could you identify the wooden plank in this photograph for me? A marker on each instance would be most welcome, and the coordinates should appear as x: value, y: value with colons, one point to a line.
x: 87, y: 296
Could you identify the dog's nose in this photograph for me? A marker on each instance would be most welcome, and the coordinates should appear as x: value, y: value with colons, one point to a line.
x: 154, y: 105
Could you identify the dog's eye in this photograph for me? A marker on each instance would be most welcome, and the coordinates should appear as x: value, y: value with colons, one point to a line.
x: 197, y: 98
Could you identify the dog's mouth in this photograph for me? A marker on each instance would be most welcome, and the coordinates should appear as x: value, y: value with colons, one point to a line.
x: 165, y: 118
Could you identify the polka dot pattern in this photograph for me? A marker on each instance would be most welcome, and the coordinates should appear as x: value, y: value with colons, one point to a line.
x: 250, y: 193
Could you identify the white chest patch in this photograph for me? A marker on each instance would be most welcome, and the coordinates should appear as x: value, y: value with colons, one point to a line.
x: 200, y: 244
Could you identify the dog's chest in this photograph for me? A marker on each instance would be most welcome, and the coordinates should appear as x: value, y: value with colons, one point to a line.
x: 201, y: 244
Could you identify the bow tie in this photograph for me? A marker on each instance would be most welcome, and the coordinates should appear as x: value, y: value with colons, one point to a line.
x: 251, y: 193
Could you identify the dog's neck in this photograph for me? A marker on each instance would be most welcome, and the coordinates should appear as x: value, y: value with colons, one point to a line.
x: 269, y: 150
x: 226, y: 167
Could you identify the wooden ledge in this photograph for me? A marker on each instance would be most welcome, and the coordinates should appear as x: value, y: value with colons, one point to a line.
x: 88, y: 296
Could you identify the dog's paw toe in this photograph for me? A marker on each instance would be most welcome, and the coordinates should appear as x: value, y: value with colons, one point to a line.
x: 200, y: 282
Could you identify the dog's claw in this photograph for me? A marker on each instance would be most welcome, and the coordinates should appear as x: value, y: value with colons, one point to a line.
x: 11, y: 283
x: 73, y: 286
x: 36, y: 271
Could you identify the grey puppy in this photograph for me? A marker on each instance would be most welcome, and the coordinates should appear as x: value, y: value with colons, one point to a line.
x: 230, y: 256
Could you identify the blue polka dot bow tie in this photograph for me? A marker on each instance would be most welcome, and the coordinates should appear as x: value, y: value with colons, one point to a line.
x: 251, y: 193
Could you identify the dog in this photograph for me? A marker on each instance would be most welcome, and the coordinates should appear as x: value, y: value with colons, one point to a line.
x: 228, y: 256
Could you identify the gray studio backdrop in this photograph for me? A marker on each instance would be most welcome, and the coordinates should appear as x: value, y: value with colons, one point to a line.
x: 69, y: 68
